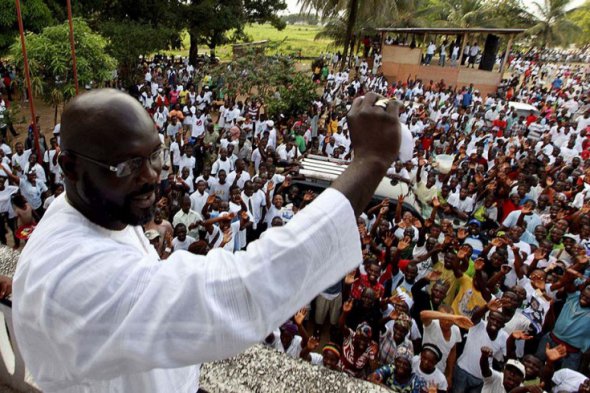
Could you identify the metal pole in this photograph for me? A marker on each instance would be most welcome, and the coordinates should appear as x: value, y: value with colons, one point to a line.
x: 72, y: 45
x: 28, y: 80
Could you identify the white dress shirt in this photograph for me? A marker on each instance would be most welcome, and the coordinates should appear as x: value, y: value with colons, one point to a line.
x: 96, y: 311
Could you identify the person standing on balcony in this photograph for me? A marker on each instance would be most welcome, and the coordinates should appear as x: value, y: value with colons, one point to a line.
x: 95, y: 310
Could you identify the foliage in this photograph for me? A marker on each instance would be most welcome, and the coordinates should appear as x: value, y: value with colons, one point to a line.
x: 511, y: 14
x: 134, y: 27
x: 255, y: 73
x: 462, y: 13
x: 581, y: 17
x: 303, y: 18
x: 51, y: 63
x: 209, y: 21
x: 36, y: 15
x: 292, y: 39
x: 127, y: 41
x: 155, y: 13
x: 551, y: 24
x: 293, y: 99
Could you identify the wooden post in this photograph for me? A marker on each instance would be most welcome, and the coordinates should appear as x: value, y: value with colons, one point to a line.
x: 73, y: 46
x: 28, y: 80
x: 505, y: 59
x: 463, y: 43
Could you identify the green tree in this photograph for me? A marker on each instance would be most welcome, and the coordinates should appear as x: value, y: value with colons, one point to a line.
x: 551, y: 24
x: 51, y: 63
x: 347, y: 20
x: 402, y: 13
x: 36, y: 15
x: 127, y: 41
x: 293, y: 99
x: 134, y: 27
x: 462, y: 13
x: 254, y: 73
x: 209, y: 21
x: 581, y: 17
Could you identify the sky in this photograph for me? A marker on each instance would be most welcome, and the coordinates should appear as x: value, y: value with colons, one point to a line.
x: 294, y: 8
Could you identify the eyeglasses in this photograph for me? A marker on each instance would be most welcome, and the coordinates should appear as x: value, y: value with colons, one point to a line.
x: 129, y: 167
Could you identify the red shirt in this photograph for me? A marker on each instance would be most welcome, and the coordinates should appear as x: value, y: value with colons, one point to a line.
x: 530, y: 118
x: 363, y: 282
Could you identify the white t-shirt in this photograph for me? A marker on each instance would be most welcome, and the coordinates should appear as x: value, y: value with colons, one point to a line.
x: 494, y: 383
x: 434, y: 335
x: 477, y: 337
x: 198, y: 126
x: 5, y: 203
x: 198, y: 201
x: 182, y: 245
x: 465, y: 205
x: 567, y: 380
x: 187, y: 162
x: 244, y: 177
x: 175, y: 151
x: 221, y: 190
x: 220, y: 164
x: 436, y: 376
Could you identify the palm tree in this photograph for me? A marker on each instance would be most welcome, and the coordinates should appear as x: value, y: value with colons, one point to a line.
x: 348, y: 18
x: 462, y: 13
x: 551, y: 23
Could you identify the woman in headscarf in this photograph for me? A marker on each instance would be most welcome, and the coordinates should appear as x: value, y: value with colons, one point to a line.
x: 399, y: 376
x: 359, y: 353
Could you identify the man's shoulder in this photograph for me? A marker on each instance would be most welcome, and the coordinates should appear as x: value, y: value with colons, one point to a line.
x: 62, y: 239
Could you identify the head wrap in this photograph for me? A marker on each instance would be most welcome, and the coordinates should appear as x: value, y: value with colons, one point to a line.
x: 404, y: 352
x: 331, y: 347
x: 434, y: 349
x: 364, y: 329
x: 290, y: 327
x: 234, y: 132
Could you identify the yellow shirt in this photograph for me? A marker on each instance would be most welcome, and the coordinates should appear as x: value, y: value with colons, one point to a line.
x: 467, y: 298
x: 332, y: 127
x: 182, y: 97
x: 448, y: 276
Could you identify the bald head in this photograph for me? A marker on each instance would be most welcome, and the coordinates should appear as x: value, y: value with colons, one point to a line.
x: 101, y: 121
x: 102, y: 130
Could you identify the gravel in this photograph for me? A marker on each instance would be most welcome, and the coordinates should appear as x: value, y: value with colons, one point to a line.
x: 8, y: 258
x: 261, y: 370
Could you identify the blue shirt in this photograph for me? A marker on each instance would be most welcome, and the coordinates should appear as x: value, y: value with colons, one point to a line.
x: 573, y: 324
x: 467, y: 98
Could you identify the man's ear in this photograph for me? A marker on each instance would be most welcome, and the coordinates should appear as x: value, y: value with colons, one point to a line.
x: 67, y: 162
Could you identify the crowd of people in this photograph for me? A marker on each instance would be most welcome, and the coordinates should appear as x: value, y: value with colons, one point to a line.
x: 483, y: 287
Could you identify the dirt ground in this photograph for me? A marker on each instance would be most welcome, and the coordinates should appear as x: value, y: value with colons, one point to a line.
x: 46, y: 121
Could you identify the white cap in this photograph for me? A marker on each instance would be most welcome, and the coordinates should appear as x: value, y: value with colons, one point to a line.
x: 518, y: 365
x: 270, y: 123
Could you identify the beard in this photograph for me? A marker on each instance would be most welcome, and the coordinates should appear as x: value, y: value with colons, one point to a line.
x: 125, y: 212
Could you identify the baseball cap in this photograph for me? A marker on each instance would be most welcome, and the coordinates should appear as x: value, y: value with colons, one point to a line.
x: 572, y: 236
x: 151, y: 234
x: 517, y: 365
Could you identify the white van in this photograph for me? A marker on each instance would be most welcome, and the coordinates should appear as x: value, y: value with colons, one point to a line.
x: 321, y: 171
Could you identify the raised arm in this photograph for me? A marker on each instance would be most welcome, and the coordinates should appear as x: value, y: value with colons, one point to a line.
x: 484, y: 362
x: 10, y: 175
x: 427, y: 316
